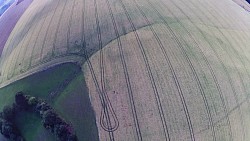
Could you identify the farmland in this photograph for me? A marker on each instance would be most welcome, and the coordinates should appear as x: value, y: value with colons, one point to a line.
x: 149, y: 69
x: 7, y: 24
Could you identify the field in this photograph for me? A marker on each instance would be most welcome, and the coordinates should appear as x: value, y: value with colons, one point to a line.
x: 152, y: 69
x: 9, y: 19
x: 63, y: 87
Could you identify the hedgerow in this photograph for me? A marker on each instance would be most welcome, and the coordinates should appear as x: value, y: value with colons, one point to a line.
x: 50, y: 119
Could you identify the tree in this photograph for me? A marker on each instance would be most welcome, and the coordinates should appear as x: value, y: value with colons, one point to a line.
x: 21, y: 100
x: 10, y: 131
x: 32, y: 101
x: 1, y: 124
x: 72, y: 137
x: 49, y: 118
x: 8, y: 113
x: 7, y: 128
x: 61, y: 131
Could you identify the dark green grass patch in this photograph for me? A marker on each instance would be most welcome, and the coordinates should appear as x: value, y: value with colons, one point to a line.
x: 77, y: 109
x: 32, y: 129
x: 40, y: 84
x: 62, y: 86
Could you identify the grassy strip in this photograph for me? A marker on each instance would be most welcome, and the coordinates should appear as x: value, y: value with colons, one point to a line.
x: 38, y: 85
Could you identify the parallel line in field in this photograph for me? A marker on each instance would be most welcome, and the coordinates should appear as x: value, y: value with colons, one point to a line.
x: 225, y: 69
x: 157, y: 97
x: 12, y: 42
x: 4, y: 57
x: 140, y: 47
x: 46, y: 33
x: 228, y: 53
x: 28, y: 41
x: 32, y: 49
x: 23, y: 33
x: 240, y: 59
x: 226, y: 116
x: 194, y: 73
x: 130, y: 92
x: 102, y: 93
x: 34, y: 46
x: 230, y: 81
x: 150, y: 73
x: 235, y: 51
x: 10, y: 47
x: 104, y: 100
x: 104, y: 96
x: 218, y: 87
x: 239, y: 20
x: 57, y: 27
x: 70, y: 22
x: 99, y: 91
x: 10, y: 66
x: 119, y: 42
x: 17, y: 57
x: 25, y: 46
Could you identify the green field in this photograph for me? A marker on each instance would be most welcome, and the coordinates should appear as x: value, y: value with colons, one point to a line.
x: 70, y: 99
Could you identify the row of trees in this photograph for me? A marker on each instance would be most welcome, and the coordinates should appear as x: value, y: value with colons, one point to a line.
x: 8, y: 127
x: 50, y: 119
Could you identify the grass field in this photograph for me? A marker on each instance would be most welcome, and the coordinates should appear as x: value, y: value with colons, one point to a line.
x: 70, y: 101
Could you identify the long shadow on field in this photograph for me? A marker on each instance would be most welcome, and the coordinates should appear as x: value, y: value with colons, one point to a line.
x: 74, y: 104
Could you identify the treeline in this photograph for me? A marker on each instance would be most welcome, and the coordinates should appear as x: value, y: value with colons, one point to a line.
x: 50, y: 119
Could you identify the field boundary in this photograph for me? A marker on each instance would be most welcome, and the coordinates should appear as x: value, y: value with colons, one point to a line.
x: 44, y: 66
